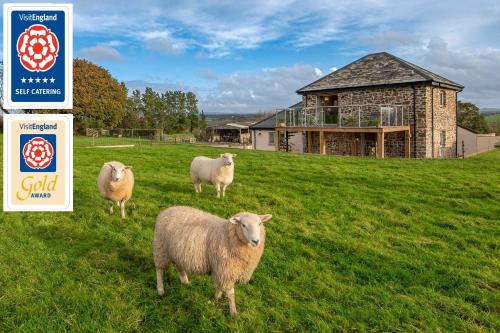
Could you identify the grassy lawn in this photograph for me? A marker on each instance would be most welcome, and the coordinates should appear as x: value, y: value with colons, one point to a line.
x: 355, y: 245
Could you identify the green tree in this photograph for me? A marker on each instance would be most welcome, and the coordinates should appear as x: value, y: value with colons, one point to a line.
x: 152, y: 105
x: 98, y: 98
x: 470, y: 117
x: 192, y: 111
x: 134, y: 117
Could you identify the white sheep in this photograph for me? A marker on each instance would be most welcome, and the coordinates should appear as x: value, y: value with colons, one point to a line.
x: 218, y: 172
x: 200, y: 243
x: 115, y: 183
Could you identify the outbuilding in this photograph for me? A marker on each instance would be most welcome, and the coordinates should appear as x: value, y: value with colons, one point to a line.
x: 228, y: 133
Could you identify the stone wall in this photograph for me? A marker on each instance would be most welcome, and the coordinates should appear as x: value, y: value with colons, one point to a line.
x: 428, y: 112
x: 338, y: 143
x: 373, y: 98
x: 444, y: 120
x: 394, y: 144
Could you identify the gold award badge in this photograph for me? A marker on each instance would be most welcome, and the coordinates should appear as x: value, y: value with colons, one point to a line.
x: 38, y: 162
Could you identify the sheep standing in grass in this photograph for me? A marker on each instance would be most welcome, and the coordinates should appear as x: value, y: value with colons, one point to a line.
x: 115, y: 183
x: 200, y: 243
x: 218, y: 172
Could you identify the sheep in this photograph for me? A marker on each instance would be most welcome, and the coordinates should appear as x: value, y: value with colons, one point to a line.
x: 115, y: 183
x: 201, y: 243
x: 218, y: 172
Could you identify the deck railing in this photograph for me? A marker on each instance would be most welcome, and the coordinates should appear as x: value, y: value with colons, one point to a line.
x: 345, y: 116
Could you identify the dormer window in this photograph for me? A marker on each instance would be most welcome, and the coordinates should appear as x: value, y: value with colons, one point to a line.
x: 442, y: 98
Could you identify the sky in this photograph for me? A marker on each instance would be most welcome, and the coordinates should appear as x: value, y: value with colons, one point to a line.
x: 251, y: 56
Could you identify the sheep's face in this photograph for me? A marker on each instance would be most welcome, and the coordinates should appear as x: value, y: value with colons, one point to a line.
x: 227, y: 158
x: 250, y: 226
x: 117, y: 173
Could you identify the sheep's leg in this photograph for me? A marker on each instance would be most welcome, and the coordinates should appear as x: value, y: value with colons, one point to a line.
x: 159, y: 280
x: 196, y: 187
x: 232, y: 301
x: 217, y: 188
x: 218, y: 294
x: 122, y: 208
x: 111, y: 203
x: 224, y: 190
x: 199, y: 187
x: 182, y: 275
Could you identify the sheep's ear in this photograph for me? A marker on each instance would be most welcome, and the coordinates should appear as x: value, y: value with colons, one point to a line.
x: 110, y: 165
x: 235, y: 220
x: 128, y: 167
x: 265, y: 217
x: 234, y: 155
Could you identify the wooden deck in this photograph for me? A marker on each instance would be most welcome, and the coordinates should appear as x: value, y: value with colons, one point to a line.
x: 380, y: 131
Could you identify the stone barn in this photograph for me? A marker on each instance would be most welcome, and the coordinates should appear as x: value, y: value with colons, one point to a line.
x: 379, y: 105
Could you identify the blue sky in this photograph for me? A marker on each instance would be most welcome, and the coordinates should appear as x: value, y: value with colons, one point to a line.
x: 244, y: 57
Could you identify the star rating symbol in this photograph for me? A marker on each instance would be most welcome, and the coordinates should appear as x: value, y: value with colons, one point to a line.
x: 52, y: 80
x: 23, y: 80
x: 45, y: 80
x: 30, y: 80
x: 37, y: 80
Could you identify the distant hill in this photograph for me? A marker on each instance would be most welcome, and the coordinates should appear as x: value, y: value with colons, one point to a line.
x: 489, y: 110
x: 245, y: 119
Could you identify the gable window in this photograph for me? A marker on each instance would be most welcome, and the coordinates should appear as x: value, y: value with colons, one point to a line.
x: 442, y: 98
x: 271, y: 139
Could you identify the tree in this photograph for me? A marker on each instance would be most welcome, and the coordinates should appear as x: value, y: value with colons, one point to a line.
x: 192, y: 110
x: 134, y: 115
x: 470, y: 117
x: 98, y: 98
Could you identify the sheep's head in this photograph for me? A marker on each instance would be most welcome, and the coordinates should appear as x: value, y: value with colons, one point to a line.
x: 227, y: 158
x: 117, y: 172
x: 249, y: 226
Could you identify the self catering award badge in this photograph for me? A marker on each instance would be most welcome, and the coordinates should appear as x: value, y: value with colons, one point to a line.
x: 38, y: 162
x: 38, y: 56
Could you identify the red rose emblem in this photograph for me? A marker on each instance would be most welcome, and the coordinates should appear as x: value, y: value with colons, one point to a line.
x: 38, y: 153
x: 37, y: 48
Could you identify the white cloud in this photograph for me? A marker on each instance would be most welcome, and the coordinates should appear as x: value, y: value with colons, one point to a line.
x: 258, y: 91
x: 163, y: 42
x: 99, y: 53
x: 464, y: 31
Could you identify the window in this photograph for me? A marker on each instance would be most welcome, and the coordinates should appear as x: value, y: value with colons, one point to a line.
x: 443, y: 139
x: 442, y: 98
x: 271, y: 139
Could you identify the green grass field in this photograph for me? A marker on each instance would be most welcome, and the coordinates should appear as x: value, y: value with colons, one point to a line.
x: 355, y: 244
x: 493, y: 118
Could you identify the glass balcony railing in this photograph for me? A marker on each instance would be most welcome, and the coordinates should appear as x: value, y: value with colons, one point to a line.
x: 344, y: 116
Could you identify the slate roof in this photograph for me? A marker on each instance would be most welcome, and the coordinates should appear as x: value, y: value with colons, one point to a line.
x: 374, y: 70
x: 270, y: 122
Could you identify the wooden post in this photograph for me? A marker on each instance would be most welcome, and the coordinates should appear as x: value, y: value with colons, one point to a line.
x: 407, y: 144
x: 380, y: 144
x: 322, y: 142
x: 309, y: 141
x: 277, y: 140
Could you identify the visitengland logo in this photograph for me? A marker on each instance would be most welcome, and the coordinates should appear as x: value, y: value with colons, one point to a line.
x: 38, y: 153
x: 37, y: 48
x: 38, y: 56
